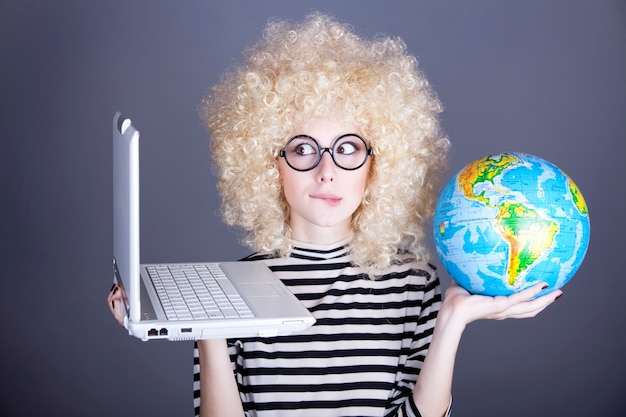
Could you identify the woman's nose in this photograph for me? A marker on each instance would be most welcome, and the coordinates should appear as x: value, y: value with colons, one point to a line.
x: 326, y: 168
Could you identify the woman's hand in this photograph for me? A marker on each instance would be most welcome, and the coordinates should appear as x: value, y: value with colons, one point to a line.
x: 115, y: 300
x: 468, y: 308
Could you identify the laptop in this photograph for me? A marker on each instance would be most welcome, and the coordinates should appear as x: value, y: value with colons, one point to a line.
x: 189, y: 301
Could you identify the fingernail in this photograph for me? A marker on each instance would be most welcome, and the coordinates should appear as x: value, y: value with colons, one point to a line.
x: 112, y: 305
x: 544, y: 286
x: 112, y: 286
x: 558, y: 296
x: 116, y: 288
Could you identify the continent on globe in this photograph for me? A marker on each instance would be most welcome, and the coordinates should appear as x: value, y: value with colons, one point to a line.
x: 482, y: 170
x: 528, y: 234
x: 508, y: 221
x: 579, y: 201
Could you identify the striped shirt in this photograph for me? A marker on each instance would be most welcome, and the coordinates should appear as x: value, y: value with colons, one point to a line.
x: 362, y: 356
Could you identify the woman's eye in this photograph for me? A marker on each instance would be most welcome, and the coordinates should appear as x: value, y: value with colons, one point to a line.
x: 346, y: 148
x: 304, y: 149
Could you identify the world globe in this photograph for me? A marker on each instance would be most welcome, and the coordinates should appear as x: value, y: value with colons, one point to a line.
x: 508, y: 221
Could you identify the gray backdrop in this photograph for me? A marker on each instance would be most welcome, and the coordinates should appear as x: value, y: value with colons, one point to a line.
x: 543, y: 77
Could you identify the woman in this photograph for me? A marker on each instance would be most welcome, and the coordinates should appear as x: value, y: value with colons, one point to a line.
x: 329, y: 151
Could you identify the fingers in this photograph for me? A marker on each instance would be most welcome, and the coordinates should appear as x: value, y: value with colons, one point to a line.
x: 526, y: 304
x: 528, y: 293
x: 114, y: 301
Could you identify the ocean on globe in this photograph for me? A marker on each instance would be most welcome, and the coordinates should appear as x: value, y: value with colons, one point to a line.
x: 508, y: 221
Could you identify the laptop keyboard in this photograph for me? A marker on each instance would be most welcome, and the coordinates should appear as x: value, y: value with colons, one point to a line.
x: 192, y: 292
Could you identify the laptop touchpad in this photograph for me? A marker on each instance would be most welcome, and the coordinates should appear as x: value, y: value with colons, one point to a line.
x: 261, y: 289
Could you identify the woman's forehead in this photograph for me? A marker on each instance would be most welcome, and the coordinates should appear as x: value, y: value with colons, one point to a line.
x: 326, y: 128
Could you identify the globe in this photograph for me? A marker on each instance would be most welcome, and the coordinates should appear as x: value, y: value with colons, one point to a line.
x: 508, y: 221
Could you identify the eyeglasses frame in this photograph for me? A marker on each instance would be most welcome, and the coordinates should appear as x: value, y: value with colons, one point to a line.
x: 321, y: 151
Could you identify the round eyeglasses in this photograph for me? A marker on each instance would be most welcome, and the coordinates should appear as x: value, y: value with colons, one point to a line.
x: 348, y: 152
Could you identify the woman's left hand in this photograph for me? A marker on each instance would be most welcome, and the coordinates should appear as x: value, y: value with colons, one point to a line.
x: 523, y: 304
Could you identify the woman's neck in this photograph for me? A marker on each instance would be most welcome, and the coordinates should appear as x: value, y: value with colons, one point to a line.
x: 321, y: 235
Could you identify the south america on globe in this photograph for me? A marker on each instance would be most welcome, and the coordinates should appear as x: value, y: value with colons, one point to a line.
x: 508, y: 221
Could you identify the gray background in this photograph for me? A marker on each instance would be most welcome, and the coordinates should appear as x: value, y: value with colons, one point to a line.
x: 543, y: 77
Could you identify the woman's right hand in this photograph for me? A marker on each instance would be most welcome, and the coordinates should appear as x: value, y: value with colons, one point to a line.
x: 115, y: 300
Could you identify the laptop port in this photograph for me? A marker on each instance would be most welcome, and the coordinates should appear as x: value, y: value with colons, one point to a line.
x: 153, y: 332
x: 186, y: 330
x: 163, y: 332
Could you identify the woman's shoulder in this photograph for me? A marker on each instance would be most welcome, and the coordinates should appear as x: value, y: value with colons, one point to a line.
x: 406, y: 263
x: 259, y: 256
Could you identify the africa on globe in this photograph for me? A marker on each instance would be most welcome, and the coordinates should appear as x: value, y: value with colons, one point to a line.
x: 508, y: 221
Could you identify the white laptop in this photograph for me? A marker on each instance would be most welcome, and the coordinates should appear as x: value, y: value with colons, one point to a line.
x: 213, y: 300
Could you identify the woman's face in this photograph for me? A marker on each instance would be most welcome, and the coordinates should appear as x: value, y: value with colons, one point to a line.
x: 323, y: 199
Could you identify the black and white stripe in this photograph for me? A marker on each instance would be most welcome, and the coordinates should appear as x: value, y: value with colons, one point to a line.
x: 362, y: 356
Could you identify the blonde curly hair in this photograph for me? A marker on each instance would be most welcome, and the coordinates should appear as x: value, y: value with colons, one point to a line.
x: 312, y: 69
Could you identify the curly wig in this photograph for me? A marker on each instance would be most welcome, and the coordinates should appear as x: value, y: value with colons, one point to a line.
x: 314, y: 69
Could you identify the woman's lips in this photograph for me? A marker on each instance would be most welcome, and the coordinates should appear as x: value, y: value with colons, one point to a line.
x: 328, y: 198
